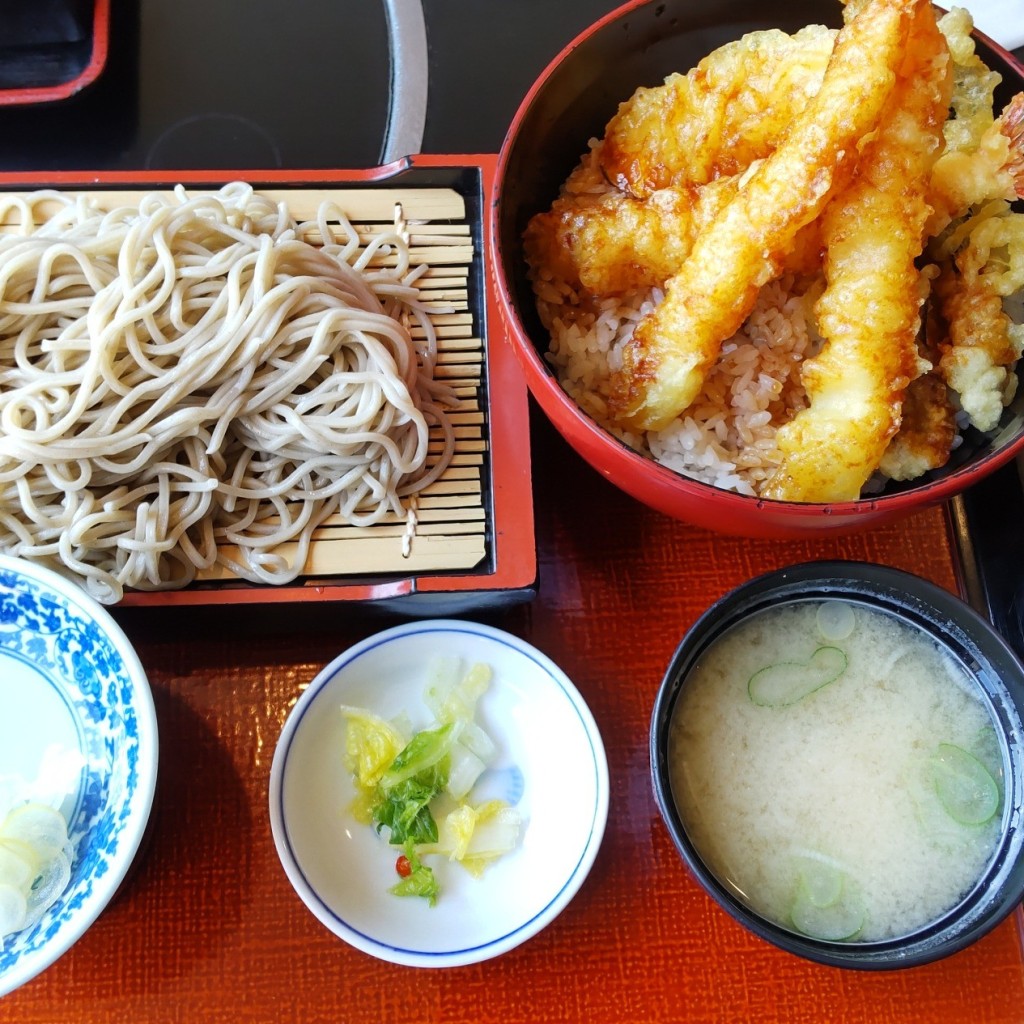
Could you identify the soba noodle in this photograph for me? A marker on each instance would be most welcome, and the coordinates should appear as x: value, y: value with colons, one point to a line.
x: 191, y: 382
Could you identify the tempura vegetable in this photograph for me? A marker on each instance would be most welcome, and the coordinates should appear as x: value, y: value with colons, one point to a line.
x: 927, y: 430
x: 984, y: 343
x: 984, y: 155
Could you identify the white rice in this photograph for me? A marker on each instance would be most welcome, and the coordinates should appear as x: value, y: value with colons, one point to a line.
x: 727, y: 436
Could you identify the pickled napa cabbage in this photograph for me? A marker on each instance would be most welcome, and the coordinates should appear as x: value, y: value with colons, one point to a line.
x: 417, y: 791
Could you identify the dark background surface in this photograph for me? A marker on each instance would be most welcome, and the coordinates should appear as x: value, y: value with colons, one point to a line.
x: 304, y: 84
x: 298, y: 84
x: 284, y: 83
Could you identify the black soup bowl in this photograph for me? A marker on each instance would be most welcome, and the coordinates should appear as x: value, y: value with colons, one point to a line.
x: 853, y: 796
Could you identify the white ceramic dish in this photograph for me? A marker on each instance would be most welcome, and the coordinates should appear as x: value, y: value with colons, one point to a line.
x: 551, y: 764
x: 78, y: 731
x: 1001, y: 20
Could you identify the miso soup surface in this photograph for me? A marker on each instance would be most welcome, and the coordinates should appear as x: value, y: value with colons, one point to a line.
x: 851, y: 794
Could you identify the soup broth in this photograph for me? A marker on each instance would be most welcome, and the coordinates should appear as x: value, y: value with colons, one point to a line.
x: 837, y: 770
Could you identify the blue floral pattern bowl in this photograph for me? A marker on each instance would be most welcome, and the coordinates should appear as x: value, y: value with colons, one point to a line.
x: 78, y: 731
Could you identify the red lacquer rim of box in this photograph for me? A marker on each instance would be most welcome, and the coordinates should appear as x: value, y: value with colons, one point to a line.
x: 513, y: 538
x: 62, y: 90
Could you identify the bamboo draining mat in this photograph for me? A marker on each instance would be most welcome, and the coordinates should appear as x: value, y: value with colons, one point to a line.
x: 450, y: 531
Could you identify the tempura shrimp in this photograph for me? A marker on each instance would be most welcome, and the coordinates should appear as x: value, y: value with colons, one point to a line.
x: 665, y: 362
x: 606, y: 243
x: 610, y: 243
x: 869, y: 311
x: 733, y: 108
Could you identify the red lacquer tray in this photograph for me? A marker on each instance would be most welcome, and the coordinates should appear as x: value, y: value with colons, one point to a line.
x: 474, y: 546
x: 207, y: 928
x: 57, y: 70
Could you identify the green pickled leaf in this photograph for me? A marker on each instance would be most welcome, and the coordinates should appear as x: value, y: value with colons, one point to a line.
x: 398, y: 786
x: 966, y: 790
x: 423, y: 751
x: 405, y: 810
x: 787, y: 682
x: 371, y: 744
x: 420, y: 881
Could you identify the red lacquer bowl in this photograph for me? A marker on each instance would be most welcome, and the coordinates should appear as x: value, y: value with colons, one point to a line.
x: 572, y: 100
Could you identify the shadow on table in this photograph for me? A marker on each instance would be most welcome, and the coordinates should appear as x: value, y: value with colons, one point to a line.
x: 192, y: 874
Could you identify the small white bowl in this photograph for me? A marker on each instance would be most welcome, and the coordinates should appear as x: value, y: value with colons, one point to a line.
x: 78, y: 731
x: 551, y: 764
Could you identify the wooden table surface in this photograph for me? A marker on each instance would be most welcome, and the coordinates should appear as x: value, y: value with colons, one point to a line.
x: 208, y: 929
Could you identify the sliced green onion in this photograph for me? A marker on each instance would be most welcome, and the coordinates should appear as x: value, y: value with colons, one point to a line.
x: 966, y: 790
x: 838, y: 922
x: 821, y: 879
x: 825, y: 906
x: 13, y: 910
x: 35, y: 864
x: 40, y: 826
x: 835, y: 620
x: 19, y: 863
x: 787, y: 682
x: 52, y: 881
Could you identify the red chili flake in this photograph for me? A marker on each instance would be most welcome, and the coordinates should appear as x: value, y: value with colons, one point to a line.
x: 403, y: 867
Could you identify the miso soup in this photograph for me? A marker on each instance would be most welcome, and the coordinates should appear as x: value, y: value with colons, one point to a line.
x: 837, y: 770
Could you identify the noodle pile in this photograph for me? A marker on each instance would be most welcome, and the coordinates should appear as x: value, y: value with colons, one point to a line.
x: 190, y: 383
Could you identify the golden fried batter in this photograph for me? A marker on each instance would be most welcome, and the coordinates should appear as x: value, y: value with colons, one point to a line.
x: 733, y: 108
x: 839, y: 157
x: 667, y: 359
x: 984, y: 155
x: 869, y: 311
x: 983, y: 340
x: 994, y: 169
x: 927, y: 431
x: 928, y: 427
x: 610, y: 243
x: 606, y: 243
